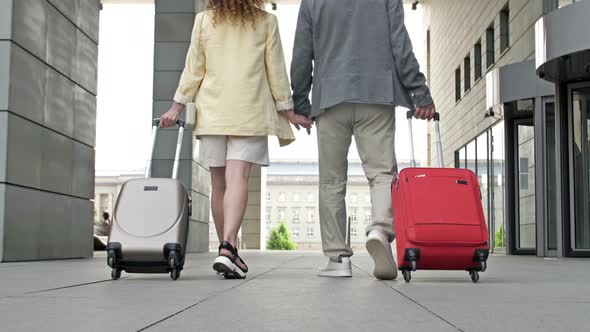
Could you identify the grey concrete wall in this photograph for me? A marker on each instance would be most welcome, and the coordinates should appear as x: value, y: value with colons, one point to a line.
x: 48, y: 62
x: 173, y: 26
x: 455, y: 26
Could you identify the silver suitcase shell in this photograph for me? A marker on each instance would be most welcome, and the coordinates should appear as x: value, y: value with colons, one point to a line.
x: 150, y: 222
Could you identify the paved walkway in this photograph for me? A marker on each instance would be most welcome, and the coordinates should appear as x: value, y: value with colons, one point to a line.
x: 282, y: 293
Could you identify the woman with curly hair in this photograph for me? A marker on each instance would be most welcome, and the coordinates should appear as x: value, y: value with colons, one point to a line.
x: 235, y: 71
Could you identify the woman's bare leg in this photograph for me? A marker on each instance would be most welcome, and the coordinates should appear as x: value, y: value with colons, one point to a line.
x: 217, y: 195
x: 235, y: 200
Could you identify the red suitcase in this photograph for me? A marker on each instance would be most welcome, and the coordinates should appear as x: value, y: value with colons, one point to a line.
x: 438, y: 217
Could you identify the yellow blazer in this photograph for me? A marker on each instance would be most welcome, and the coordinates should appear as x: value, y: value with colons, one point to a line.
x: 237, y: 76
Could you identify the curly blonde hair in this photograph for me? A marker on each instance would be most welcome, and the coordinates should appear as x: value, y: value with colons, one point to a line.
x: 235, y: 11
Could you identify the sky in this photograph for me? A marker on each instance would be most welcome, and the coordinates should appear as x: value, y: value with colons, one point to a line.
x: 125, y: 85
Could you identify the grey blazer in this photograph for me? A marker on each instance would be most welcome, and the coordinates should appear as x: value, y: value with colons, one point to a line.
x: 358, y: 51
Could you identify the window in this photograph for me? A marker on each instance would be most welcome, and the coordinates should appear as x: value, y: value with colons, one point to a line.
x: 467, y: 72
x: 504, y: 29
x: 471, y: 157
x: 282, y: 197
x: 267, y: 215
x: 485, y: 156
x: 563, y: 3
x: 282, y: 214
x: 353, y: 215
x: 458, y: 84
x: 311, y: 215
x: 295, y: 233
x: 353, y: 233
x: 296, y: 197
x: 483, y: 171
x: 354, y: 197
x: 310, y: 197
x: 525, y: 105
x: 490, y: 46
x: 477, y: 60
x: 550, y: 5
x: 309, y: 231
x: 268, y: 197
x: 296, y: 212
x: 463, y: 158
x: 368, y: 216
x: 428, y: 55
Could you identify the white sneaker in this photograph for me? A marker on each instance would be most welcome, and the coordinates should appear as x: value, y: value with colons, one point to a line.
x: 342, y: 269
x: 380, y: 250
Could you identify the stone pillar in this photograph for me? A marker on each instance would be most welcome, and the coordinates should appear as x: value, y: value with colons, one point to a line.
x: 250, y: 234
x: 174, y: 23
x: 48, y: 66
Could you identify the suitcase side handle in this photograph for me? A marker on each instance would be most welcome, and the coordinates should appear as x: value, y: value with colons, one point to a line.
x: 410, y: 114
x: 155, y: 126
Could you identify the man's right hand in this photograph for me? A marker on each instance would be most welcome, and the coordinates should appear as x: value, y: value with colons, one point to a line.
x: 425, y: 113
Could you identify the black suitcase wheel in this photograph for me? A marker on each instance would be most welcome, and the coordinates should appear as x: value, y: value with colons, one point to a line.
x: 116, y: 274
x: 175, y: 274
x: 172, y: 260
x: 474, y: 276
x: 111, y: 260
x: 407, y: 275
x: 483, y: 266
x: 414, y: 265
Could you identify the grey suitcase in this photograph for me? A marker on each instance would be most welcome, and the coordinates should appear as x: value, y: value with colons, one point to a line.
x: 150, y: 222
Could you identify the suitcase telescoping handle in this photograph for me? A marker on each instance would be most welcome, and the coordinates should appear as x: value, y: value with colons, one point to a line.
x: 156, y: 124
x: 410, y: 115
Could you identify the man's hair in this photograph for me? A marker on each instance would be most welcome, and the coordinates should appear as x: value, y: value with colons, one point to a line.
x: 236, y: 11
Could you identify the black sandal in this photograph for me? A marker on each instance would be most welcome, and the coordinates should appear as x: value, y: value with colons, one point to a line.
x: 245, y: 270
x: 227, y: 265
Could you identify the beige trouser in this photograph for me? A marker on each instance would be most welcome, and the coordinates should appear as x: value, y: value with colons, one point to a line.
x: 373, y: 127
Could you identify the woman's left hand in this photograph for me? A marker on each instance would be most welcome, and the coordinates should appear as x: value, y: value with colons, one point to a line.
x: 170, y: 118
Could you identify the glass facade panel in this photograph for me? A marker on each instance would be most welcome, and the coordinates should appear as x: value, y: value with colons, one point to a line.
x: 497, y: 186
x: 581, y: 161
x: 551, y: 159
x: 525, y: 177
x: 526, y: 105
x: 483, y: 171
x: 462, y: 158
x: 471, y: 157
x: 486, y: 157
x: 563, y: 3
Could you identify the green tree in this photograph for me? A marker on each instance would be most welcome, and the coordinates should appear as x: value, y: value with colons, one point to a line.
x: 280, y: 239
x: 500, y: 237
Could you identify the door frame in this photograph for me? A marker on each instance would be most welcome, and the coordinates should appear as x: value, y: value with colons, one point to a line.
x: 569, y: 225
x: 542, y: 184
x: 512, y: 119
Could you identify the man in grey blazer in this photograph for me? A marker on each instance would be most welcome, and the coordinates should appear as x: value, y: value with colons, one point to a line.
x: 358, y: 57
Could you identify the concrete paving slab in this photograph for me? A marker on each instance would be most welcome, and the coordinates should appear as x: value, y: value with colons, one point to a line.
x: 293, y: 298
x: 283, y: 293
x: 129, y: 304
x: 515, y: 294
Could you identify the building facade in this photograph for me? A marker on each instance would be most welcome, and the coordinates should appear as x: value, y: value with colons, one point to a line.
x: 291, y: 196
x: 500, y: 117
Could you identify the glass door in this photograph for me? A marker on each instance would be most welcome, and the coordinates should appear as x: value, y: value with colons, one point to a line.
x: 550, y: 175
x: 525, y: 213
x: 580, y: 107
